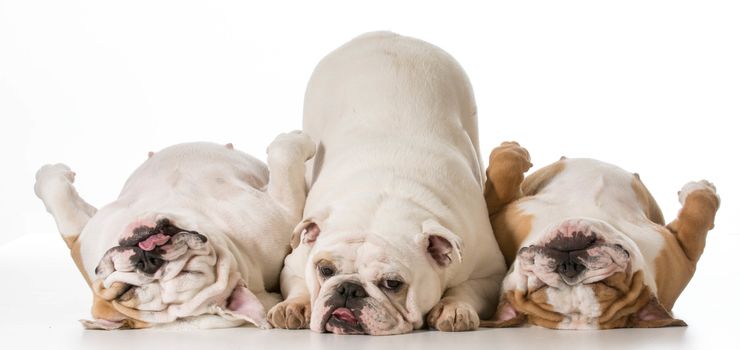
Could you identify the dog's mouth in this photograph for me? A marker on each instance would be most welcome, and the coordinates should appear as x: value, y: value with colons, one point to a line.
x: 147, y: 248
x: 342, y: 320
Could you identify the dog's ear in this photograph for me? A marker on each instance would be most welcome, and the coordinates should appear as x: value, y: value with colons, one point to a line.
x: 306, y: 232
x: 506, y: 316
x: 104, y: 312
x: 654, y: 315
x: 243, y: 304
x: 441, y: 244
x: 309, y: 229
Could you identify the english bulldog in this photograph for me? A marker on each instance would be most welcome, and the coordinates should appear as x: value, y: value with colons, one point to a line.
x: 196, y: 238
x: 587, y: 244
x: 395, y: 230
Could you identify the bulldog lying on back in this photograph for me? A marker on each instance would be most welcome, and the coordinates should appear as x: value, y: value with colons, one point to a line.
x: 395, y: 229
x: 587, y: 243
x: 198, y: 234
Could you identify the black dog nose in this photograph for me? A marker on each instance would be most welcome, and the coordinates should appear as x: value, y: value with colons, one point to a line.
x: 351, y: 290
x: 577, y: 241
x: 147, y: 262
x: 570, y: 268
x: 568, y: 252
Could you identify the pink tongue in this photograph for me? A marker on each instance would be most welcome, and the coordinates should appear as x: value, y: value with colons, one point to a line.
x: 153, y: 241
x: 345, y: 315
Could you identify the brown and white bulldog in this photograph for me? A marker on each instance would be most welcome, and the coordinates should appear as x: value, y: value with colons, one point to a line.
x: 395, y: 232
x: 196, y: 238
x: 587, y: 245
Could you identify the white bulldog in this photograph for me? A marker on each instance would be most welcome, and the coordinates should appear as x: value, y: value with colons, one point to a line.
x: 197, y: 236
x: 395, y: 226
x: 587, y: 243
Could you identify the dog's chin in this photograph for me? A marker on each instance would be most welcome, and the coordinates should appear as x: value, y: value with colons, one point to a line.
x: 341, y: 320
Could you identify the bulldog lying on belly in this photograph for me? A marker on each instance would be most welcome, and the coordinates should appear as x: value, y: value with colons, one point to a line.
x: 587, y: 244
x: 198, y: 234
x: 395, y: 229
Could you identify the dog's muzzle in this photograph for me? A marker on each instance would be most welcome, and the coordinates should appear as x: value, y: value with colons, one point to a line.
x: 574, y: 253
x: 345, y: 307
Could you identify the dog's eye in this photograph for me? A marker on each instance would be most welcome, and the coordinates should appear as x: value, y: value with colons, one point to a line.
x: 326, y: 271
x: 391, y: 285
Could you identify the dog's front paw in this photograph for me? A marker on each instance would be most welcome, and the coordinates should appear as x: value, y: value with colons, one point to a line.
x: 512, y: 154
x: 453, y: 316
x: 291, y: 314
x: 54, y: 181
x: 296, y: 143
x: 694, y: 186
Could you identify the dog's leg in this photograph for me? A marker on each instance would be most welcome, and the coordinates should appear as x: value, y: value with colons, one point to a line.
x: 286, y: 158
x: 700, y: 203
x: 462, y: 306
x: 505, y: 174
x: 295, y: 311
x: 71, y: 213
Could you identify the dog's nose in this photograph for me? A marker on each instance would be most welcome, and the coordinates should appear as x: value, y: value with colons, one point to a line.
x: 570, y: 268
x: 351, y: 290
x: 568, y: 252
x: 148, y: 262
x: 573, y: 242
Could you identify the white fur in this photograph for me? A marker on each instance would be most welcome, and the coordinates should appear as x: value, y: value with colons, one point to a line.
x: 579, y: 303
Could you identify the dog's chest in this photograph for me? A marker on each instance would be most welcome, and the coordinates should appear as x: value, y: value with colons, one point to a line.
x: 579, y: 303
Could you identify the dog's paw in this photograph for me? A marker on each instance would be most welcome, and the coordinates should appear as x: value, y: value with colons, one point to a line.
x: 453, y: 316
x: 53, y: 181
x: 694, y: 186
x: 509, y: 154
x: 291, y: 314
x: 296, y: 143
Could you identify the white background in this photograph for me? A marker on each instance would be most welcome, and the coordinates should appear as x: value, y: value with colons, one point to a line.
x: 652, y: 86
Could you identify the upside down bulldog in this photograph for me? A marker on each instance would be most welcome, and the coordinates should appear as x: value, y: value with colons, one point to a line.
x: 197, y: 236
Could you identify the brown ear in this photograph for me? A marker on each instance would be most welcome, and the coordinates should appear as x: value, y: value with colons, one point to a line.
x: 654, y: 315
x: 506, y: 316
x: 306, y: 232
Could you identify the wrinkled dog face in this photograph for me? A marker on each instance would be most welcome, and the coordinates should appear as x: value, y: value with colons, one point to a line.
x: 363, y: 284
x: 581, y: 274
x: 160, y: 272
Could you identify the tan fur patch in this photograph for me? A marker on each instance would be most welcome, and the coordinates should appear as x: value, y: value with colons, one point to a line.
x: 620, y: 296
x: 540, y: 178
x: 103, y: 307
x: 694, y: 220
x: 673, y: 270
x: 535, y: 306
x: 511, y: 227
x: 685, y: 239
x: 506, y: 167
x: 648, y: 203
x: 74, y: 249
